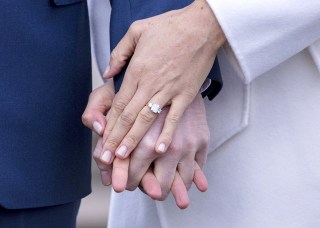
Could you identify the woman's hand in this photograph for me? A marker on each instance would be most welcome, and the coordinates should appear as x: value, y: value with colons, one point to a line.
x: 172, y: 55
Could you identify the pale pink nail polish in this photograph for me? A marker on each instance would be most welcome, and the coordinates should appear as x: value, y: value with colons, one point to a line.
x: 162, y: 147
x: 122, y: 151
x: 106, y: 156
x: 97, y: 127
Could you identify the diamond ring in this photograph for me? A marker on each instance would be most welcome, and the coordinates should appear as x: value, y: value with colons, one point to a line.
x: 155, y: 108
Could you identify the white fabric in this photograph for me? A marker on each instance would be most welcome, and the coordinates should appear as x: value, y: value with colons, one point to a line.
x: 262, y: 34
x: 263, y: 167
x: 266, y: 176
x: 99, y: 13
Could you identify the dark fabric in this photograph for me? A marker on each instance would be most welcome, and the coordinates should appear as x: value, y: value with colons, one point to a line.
x: 62, y: 216
x: 216, y: 82
x: 124, y: 12
x: 45, y: 80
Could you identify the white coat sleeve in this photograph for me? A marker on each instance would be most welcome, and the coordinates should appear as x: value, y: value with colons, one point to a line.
x: 263, y: 33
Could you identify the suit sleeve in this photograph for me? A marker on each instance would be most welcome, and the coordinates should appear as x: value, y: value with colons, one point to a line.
x: 262, y: 34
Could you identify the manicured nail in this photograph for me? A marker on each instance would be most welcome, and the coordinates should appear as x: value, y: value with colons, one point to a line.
x: 122, y: 151
x: 162, y: 147
x: 106, y: 71
x: 106, y: 156
x: 97, y: 127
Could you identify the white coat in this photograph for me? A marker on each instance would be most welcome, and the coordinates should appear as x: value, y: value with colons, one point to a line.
x: 263, y: 166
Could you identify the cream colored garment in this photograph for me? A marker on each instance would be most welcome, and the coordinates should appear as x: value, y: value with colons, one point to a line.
x: 265, y: 176
x: 263, y: 167
x: 99, y: 14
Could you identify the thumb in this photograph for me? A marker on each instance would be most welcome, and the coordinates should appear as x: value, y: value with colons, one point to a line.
x: 124, y: 50
x: 99, y: 103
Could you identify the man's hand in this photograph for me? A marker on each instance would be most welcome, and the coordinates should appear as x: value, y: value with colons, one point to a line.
x: 100, y: 101
x: 117, y: 175
x: 181, y: 172
x: 94, y: 117
x: 172, y: 55
x: 175, y: 170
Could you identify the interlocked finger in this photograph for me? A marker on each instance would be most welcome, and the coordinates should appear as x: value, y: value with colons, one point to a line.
x: 139, y: 164
x: 141, y: 125
x: 120, y: 174
x: 180, y: 192
x: 200, y: 179
x: 150, y: 185
x: 165, y: 170
x: 186, y: 172
x: 172, y: 120
x: 105, y: 170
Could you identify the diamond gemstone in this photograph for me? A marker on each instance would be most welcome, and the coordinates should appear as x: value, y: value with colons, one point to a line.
x: 155, y: 108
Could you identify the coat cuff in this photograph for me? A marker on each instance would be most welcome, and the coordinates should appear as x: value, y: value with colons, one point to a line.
x: 262, y: 34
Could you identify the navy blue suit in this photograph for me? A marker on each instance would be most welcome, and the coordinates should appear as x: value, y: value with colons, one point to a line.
x: 45, y: 79
x: 124, y: 12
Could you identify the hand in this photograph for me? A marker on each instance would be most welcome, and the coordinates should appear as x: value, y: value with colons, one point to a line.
x: 94, y: 117
x: 117, y: 174
x: 100, y: 101
x: 172, y: 55
x: 174, y: 170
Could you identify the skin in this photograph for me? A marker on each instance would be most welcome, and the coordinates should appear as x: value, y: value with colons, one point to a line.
x: 189, y: 145
x: 176, y: 68
x: 171, y: 172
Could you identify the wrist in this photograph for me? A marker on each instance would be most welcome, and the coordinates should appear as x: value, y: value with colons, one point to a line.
x: 210, y: 22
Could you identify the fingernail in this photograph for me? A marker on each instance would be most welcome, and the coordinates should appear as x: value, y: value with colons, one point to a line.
x: 162, y: 147
x: 97, y: 127
x: 106, y: 71
x: 122, y: 151
x: 105, y: 178
x: 106, y: 156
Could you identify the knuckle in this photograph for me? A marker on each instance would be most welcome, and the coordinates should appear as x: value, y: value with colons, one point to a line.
x: 86, y: 118
x: 146, y: 116
x: 114, y: 54
x: 136, y: 70
x: 127, y: 118
x: 101, y: 166
x: 137, y: 67
x: 149, y: 154
x: 93, y: 93
x: 175, y: 148
x: 191, y: 144
x: 119, y: 105
x: 190, y: 92
x: 131, y: 141
x: 96, y: 158
x: 112, y: 143
x: 117, y: 57
x: 174, y: 118
x: 148, y: 143
x: 135, y: 27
